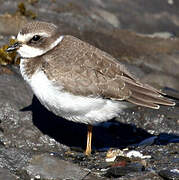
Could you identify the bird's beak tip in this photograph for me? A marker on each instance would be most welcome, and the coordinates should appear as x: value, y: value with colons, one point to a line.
x: 9, y: 49
x: 13, y: 47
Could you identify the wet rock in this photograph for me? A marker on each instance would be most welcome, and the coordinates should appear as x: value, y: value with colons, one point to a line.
x: 6, y: 175
x: 142, y: 176
x: 46, y: 166
x: 155, y: 122
x: 161, y: 156
x: 123, y: 170
x: 13, y: 158
x: 13, y: 89
x: 172, y: 174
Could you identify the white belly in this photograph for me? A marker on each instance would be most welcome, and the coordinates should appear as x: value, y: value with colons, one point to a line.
x: 81, y: 109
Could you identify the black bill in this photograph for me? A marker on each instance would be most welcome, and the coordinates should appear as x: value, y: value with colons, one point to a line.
x: 13, y: 47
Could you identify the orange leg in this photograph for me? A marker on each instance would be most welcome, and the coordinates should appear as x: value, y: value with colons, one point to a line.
x: 89, y: 138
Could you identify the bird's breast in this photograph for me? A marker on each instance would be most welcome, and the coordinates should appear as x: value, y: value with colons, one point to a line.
x: 75, y: 108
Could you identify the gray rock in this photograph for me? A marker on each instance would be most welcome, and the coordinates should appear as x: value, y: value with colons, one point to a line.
x: 172, y: 174
x: 119, y: 171
x: 6, y: 175
x: 13, y: 88
x: 13, y: 158
x: 49, y: 167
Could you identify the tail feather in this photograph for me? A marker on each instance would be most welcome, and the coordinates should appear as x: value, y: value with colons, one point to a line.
x: 152, y: 99
x: 144, y: 90
x: 143, y: 103
x: 146, y: 95
x: 138, y: 86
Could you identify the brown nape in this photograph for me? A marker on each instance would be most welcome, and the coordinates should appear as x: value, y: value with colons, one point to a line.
x: 147, y: 96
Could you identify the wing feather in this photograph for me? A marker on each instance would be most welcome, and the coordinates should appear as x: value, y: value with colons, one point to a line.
x: 82, y: 69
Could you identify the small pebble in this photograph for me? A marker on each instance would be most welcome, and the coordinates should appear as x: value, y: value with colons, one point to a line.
x: 137, y: 154
x: 172, y: 174
x: 119, y: 171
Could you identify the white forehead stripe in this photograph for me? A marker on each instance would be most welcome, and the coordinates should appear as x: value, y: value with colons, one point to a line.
x: 27, y: 37
x: 27, y: 51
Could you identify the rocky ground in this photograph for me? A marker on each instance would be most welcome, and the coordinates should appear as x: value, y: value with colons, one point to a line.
x: 35, y: 144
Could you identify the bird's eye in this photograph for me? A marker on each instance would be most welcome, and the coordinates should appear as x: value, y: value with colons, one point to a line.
x: 35, y: 38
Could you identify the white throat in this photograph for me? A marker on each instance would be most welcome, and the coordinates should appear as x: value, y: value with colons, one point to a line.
x: 26, y: 51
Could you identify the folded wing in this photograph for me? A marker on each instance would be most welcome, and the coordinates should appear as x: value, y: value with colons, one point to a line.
x: 87, y: 71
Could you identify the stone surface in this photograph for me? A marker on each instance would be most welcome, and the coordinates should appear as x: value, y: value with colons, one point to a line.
x: 13, y: 158
x: 170, y: 174
x: 5, y: 174
x: 143, y: 36
x: 119, y: 171
x: 48, y: 167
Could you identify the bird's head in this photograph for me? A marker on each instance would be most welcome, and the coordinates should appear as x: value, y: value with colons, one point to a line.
x: 35, y: 39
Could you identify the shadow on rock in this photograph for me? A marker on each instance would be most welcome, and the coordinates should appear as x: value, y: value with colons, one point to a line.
x: 105, y: 135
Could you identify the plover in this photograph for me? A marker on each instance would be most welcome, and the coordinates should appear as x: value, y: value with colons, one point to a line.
x: 76, y: 80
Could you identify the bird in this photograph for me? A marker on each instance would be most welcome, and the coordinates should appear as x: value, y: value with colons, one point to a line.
x: 76, y: 80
